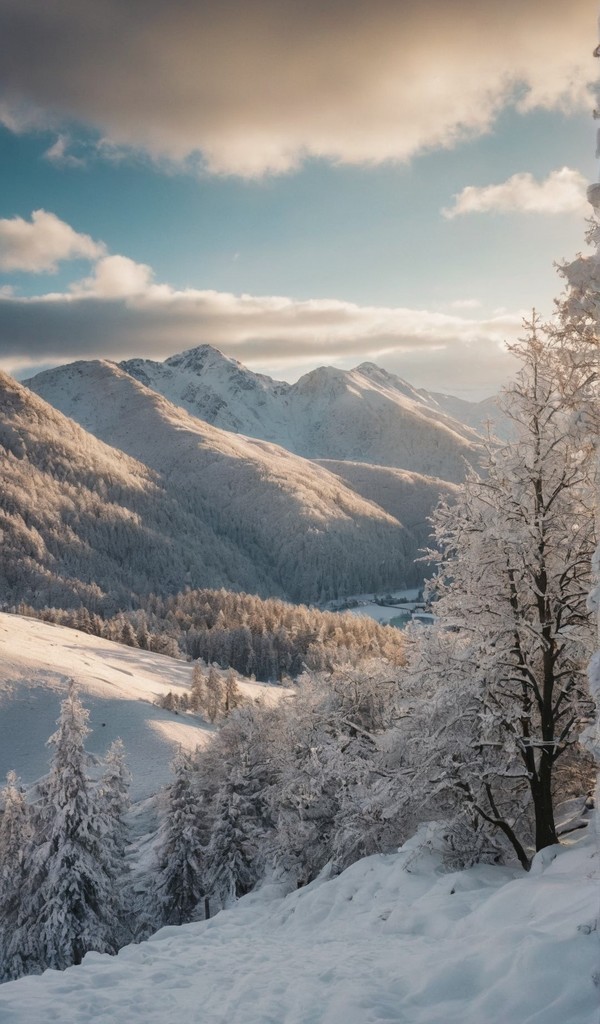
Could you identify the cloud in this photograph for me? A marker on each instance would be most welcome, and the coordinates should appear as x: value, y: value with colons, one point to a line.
x: 562, y: 191
x: 39, y: 245
x: 58, y: 154
x: 250, y: 88
x: 120, y: 311
x: 116, y: 277
x: 466, y: 304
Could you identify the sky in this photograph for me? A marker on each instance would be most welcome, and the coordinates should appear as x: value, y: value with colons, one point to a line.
x: 297, y: 183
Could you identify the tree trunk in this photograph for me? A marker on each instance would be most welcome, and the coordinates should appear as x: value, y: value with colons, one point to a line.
x: 541, y: 791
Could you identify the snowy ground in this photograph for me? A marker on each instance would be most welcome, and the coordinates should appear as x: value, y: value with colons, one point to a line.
x: 117, y: 684
x: 393, y: 939
x: 367, y: 605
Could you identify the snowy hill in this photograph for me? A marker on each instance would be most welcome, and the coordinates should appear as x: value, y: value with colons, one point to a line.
x: 478, y: 415
x: 406, y: 496
x: 82, y: 521
x: 276, y: 523
x: 119, y: 686
x: 365, y: 414
x: 393, y: 938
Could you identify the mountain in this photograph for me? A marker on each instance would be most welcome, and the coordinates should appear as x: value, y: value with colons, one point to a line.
x: 83, y: 522
x: 363, y: 415
x: 409, y: 497
x: 217, y: 389
x: 306, y: 534
x: 481, y: 416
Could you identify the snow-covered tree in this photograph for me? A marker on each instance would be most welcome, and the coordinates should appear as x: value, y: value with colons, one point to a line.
x: 234, y: 866
x: 15, y: 849
x: 513, y: 578
x: 72, y: 903
x: 180, y: 882
x: 232, y: 697
x: 113, y: 791
x: 213, y: 694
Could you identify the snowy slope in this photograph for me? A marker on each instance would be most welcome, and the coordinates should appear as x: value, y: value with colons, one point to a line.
x: 217, y: 389
x: 117, y: 684
x: 409, y: 497
x: 304, y: 528
x: 365, y: 414
x: 391, y: 939
x: 82, y: 521
x: 478, y: 415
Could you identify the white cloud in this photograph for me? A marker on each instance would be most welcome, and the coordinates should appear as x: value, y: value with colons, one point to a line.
x: 115, y: 277
x: 119, y: 311
x: 59, y: 155
x: 466, y: 304
x: 563, y: 191
x: 41, y: 244
x: 250, y: 89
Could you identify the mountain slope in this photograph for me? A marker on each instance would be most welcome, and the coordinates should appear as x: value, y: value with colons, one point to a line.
x: 409, y: 497
x: 119, y: 686
x: 81, y: 521
x: 364, y: 415
x: 480, y: 416
x: 394, y: 938
x: 310, y: 536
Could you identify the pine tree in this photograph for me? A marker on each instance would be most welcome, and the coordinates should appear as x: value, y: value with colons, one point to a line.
x: 233, y: 864
x: 15, y: 849
x: 113, y: 791
x: 74, y: 906
x: 198, y: 689
x: 214, y: 694
x: 233, y: 695
x: 180, y: 881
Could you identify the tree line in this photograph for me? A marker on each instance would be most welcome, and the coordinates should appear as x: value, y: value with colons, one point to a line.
x: 267, y: 638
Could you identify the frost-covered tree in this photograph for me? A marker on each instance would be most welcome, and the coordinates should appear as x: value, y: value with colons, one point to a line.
x: 213, y: 694
x: 232, y: 697
x: 232, y: 856
x: 113, y: 792
x: 15, y: 849
x: 513, y: 578
x: 72, y: 903
x: 180, y: 881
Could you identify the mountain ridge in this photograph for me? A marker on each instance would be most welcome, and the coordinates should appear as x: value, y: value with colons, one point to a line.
x: 365, y: 414
x: 308, y: 533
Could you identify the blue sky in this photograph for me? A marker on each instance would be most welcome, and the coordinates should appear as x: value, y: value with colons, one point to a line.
x: 323, y: 207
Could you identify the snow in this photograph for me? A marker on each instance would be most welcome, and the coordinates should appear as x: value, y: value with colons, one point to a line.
x: 394, y: 938
x: 365, y: 414
x: 117, y: 684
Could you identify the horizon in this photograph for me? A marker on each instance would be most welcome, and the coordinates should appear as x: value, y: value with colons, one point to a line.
x: 25, y: 376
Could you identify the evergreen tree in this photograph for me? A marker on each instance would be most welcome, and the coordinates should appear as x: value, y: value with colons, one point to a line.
x: 15, y: 849
x: 113, y: 791
x: 232, y: 855
x: 214, y: 694
x: 73, y: 905
x: 180, y: 882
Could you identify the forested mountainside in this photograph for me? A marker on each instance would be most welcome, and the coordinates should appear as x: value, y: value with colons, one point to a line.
x: 266, y: 638
x: 410, y: 497
x: 82, y: 522
x: 207, y: 508
x: 365, y: 414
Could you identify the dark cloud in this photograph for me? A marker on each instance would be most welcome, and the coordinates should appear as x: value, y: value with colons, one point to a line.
x: 158, y: 321
x: 258, y: 84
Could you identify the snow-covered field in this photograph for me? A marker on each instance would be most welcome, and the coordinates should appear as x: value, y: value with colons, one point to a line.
x: 117, y: 684
x: 391, y: 939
